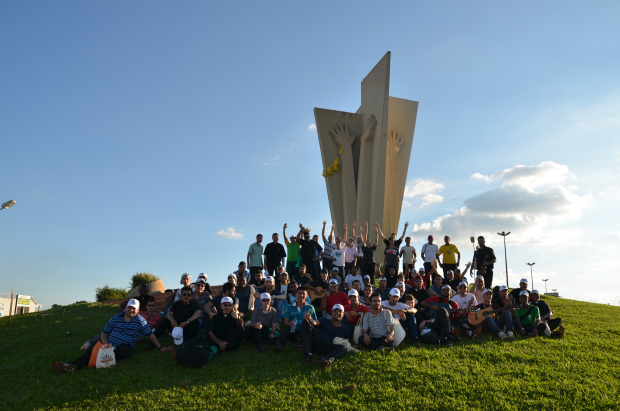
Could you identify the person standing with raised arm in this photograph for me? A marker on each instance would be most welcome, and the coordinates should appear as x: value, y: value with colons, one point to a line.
x: 328, y: 246
x: 292, y: 252
x: 368, y: 266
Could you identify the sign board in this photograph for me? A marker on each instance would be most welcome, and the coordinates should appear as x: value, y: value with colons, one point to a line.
x: 23, y: 300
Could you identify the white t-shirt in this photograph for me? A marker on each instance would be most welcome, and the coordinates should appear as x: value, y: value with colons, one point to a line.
x: 397, y: 306
x: 407, y: 254
x: 462, y: 301
x: 350, y: 278
x: 339, y: 256
x: 430, y: 252
x: 350, y: 254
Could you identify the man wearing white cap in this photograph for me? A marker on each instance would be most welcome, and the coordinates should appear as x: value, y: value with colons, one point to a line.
x: 354, y: 311
x: 546, y: 315
x: 122, y: 331
x: 516, y: 292
x: 317, y: 337
x: 527, y: 318
x: 332, y: 297
x: 403, y: 313
x: 264, y: 323
x: 277, y: 298
x: 496, y: 325
x: 226, y: 328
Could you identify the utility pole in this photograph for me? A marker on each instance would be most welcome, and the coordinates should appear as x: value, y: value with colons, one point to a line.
x: 504, y: 234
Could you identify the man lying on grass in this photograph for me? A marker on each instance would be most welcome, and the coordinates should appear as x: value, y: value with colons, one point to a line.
x: 122, y: 331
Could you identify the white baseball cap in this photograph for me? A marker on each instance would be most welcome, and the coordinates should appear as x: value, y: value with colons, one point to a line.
x: 502, y: 287
x: 353, y: 292
x: 177, y: 334
x: 265, y: 296
x: 338, y: 307
x: 333, y: 281
x: 395, y: 291
x: 487, y: 291
x: 226, y: 300
x: 524, y: 292
x: 534, y: 292
x: 133, y: 303
x: 523, y: 280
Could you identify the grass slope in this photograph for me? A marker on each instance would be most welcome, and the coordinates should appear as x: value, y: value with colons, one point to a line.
x: 581, y: 371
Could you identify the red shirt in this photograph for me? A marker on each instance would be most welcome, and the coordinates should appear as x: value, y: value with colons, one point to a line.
x: 338, y: 298
x: 153, y: 320
x: 361, y: 309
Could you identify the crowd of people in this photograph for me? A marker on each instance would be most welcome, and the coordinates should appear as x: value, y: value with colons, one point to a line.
x: 331, y: 299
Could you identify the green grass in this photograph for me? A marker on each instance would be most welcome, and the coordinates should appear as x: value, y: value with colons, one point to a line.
x: 582, y: 371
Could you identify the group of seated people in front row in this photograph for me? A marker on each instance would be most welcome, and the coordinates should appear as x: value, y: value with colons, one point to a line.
x: 326, y: 317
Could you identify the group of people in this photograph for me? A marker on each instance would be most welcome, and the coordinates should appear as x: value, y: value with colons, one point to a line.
x: 324, y: 300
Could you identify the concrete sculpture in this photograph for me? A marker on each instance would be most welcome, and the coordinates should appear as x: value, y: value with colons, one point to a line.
x: 366, y: 176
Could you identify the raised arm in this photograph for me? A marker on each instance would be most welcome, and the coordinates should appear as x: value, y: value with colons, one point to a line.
x: 378, y: 227
x: 284, y: 234
x: 365, y: 233
x: 404, y: 231
x: 323, y: 231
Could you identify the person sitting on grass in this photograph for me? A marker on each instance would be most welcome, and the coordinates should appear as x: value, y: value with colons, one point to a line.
x: 277, y: 298
x: 546, y: 315
x: 527, y: 318
x: 435, y: 289
x: 331, y: 297
x: 143, y: 292
x: 493, y: 325
x: 184, y: 314
x: 503, y: 299
x: 226, y: 328
x: 354, y: 311
x: 382, y: 290
x: 357, y: 286
x: 245, y: 296
x: 149, y: 314
x: 418, y: 291
x: 365, y: 298
x: 263, y: 325
x: 317, y: 336
x: 478, y: 288
x: 352, y: 276
x: 516, y: 292
x: 377, y: 327
x: 403, y: 313
x: 439, y: 306
x: 293, y: 316
x: 122, y: 331
x: 228, y: 290
x: 465, y: 301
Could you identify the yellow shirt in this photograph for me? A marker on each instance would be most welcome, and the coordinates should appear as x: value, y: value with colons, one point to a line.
x: 449, y: 253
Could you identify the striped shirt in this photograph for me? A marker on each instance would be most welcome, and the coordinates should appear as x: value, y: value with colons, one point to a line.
x: 328, y: 248
x: 123, y: 332
x: 377, y: 324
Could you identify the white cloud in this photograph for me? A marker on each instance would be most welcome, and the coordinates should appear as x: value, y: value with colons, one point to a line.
x: 428, y: 199
x: 420, y: 187
x: 406, y: 203
x: 537, y: 215
x: 312, y: 127
x: 271, y: 162
x: 230, y: 233
x: 478, y: 176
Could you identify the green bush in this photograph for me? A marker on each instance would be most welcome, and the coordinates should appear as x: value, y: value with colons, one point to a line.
x: 109, y: 293
x: 142, y: 278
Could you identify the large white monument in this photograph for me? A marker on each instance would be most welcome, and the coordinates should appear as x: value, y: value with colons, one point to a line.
x: 366, y: 154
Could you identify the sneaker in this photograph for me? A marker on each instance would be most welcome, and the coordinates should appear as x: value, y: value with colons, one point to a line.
x: 59, y: 366
x: 475, y: 333
x: 547, y: 332
x: 85, y: 347
x: 510, y: 335
x: 323, y: 363
x: 561, y: 332
x: 502, y: 335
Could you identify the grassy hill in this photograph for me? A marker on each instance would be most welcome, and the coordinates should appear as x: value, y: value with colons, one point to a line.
x: 580, y: 372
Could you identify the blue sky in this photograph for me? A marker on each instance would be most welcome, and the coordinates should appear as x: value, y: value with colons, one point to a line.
x: 133, y: 133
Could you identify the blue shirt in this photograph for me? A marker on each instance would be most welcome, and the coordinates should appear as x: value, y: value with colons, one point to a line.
x: 327, y: 331
x: 123, y: 332
x: 293, y: 312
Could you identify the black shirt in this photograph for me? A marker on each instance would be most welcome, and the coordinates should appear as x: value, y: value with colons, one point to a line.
x: 308, y: 249
x: 420, y: 295
x: 274, y: 253
x: 369, y: 255
x: 222, y: 325
x: 484, y: 255
x: 181, y: 312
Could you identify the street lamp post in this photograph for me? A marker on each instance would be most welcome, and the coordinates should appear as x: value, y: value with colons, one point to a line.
x: 504, y: 234
x: 7, y: 204
x: 531, y: 275
x: 545, y: 280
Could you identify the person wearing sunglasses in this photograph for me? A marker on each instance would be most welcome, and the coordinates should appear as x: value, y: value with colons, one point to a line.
x: 184, y: 313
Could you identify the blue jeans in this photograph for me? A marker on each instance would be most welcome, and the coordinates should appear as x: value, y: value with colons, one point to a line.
x: 495, y: 326
x: 410, y: 323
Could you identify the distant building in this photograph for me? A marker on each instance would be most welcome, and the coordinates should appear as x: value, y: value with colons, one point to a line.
x: 21, y: 304
x: 553, y: 294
